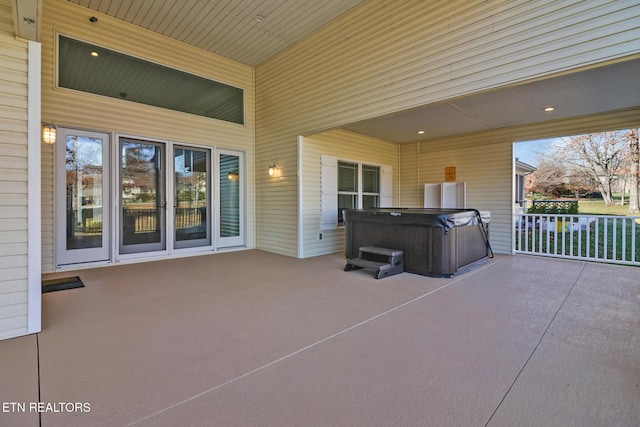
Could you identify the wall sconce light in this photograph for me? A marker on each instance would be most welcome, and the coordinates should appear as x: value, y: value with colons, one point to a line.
x: 273, y: 169
x: 233, y: 176
x: 49, y: 133
x: 30, y: 22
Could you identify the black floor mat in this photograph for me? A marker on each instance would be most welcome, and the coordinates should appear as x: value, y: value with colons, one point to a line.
x: 61, y: 284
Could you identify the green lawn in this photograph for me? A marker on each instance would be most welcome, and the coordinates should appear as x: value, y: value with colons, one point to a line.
x: 597, y: 207
x: 590, y: 206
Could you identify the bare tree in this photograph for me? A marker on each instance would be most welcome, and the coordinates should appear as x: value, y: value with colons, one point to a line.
x: 634, y: 166
x: 598, y: 156
x: 548, y: 179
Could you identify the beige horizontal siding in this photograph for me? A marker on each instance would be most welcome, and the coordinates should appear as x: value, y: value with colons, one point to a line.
x: 277, y: 199
x: 411, y: 184
x: 12, y: 300
x: 345, y: 146
x: 12, y: 224
x: 75, y: 109
x: 8, y: 249
x: 385, y: 57
x: 425, y: 43
x: 6, y: 17
x: 14, y: 327
x: 13, y: 178
x: 13, y: 261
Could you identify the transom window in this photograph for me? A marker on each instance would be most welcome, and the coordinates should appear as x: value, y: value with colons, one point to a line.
x: 94, y: 69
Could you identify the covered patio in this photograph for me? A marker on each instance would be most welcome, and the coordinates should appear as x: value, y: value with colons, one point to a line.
x: 258, y: 339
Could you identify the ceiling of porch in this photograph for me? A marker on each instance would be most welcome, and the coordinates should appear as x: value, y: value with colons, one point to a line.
x: 247, y: 31
x: 251, y: 32
x: 591, y: 91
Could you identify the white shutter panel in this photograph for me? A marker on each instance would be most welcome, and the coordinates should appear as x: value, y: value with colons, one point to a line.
x: 329, y: 179
x: 386, y: 186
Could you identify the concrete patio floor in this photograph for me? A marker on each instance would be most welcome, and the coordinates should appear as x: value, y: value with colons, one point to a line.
x: 258, y: 339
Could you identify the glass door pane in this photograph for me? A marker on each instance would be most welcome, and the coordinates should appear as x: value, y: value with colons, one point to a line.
x: 142, y: 196
x: 231, y: 199
x: 82, y: 210
x: 192, y: 210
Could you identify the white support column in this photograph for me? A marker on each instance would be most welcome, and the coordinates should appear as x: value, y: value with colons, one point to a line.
x: 34, y: 243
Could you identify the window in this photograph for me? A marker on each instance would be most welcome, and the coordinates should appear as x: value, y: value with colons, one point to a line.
x: 520, y: 193
x: 370, y: 186
x: 347, y: 187
x: 94, y: 69
x: 358, y: 187
x: 352, y: 185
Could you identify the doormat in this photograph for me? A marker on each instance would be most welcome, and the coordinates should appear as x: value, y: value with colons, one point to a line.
x: 61, y: 284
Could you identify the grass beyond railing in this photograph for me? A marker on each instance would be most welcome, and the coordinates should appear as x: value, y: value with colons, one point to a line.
x: 604, y: 238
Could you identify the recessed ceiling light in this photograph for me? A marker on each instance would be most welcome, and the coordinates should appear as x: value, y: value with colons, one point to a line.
x: 94, y: 54
x: 420, y: 132
x: 549, y: 109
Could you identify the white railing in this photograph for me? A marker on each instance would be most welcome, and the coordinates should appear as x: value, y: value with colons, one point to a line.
x: 603, y: 238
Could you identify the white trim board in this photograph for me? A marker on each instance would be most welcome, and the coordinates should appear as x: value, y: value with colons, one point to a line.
x: 34, y: 244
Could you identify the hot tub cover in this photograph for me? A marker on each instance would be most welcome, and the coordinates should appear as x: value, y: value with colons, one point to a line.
x: 437, y: 218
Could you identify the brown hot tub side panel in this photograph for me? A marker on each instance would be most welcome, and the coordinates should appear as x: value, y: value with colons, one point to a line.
x: 432, y: 243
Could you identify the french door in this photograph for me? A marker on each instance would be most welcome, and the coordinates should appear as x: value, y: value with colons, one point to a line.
x: 166, y: 197
x: 191, y: 197
x: 83, y: 226
x: 142, y: 199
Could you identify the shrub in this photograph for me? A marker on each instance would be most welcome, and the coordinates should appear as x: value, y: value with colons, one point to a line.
x: 561, y: 207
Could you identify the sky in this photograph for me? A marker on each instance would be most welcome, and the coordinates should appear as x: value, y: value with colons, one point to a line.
x: 528, y: 151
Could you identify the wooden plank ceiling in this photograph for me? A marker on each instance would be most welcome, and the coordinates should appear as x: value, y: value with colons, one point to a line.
x: 247, y: 31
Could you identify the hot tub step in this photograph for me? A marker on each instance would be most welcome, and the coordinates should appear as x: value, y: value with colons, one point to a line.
x: 380, y: 251
x: 372, y: 256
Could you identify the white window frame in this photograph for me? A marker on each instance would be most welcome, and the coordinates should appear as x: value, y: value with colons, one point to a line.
x: 329, y: 189
x: 359, y: 193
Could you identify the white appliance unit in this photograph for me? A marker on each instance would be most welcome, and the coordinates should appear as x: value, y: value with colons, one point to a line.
x: 445, y: 195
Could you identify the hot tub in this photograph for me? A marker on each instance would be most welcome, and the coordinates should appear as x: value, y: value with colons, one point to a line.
x: 435, y: 242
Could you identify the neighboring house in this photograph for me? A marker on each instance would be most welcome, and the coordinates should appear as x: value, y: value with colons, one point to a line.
x: 522, y: 170
x: 394, y: 91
